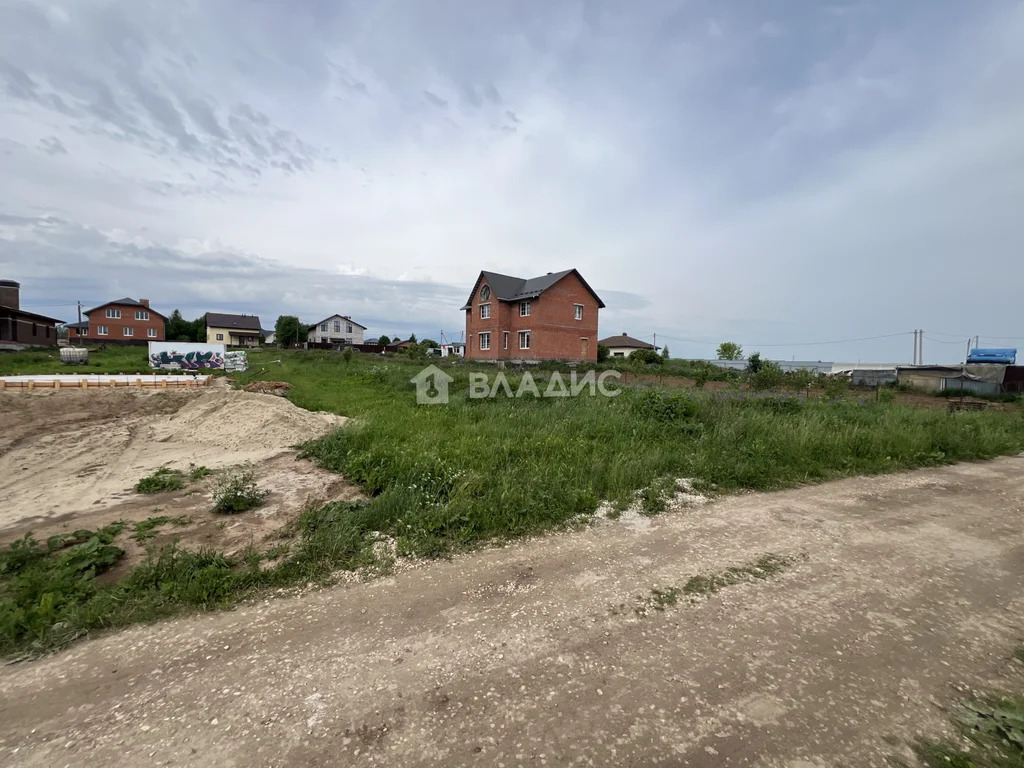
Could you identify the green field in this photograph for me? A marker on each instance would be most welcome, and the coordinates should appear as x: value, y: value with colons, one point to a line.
x: 445, y: 478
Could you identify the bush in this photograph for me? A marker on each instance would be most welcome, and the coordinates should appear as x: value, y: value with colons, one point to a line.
x: 603, y: 353
x: 164, y: 479
x: 768, y: 376
x: 664, y: 406
x: 800, y: 380
x: 836, y: 386
x: 645, y: 357
x: 346, y: 354
x: 754, y: 363
x: 237, y: 492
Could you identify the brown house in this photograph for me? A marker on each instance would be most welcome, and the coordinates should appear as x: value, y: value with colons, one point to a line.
x: 19, y: 328
x: 125, y: 321
x: 552, y: 317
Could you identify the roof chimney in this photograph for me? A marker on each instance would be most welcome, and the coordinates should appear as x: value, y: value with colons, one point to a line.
x: 144, y: 302
x: 9, y: 294
x: 625, y: 334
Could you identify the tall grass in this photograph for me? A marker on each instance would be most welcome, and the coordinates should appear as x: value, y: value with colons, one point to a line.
x: 444, y: 478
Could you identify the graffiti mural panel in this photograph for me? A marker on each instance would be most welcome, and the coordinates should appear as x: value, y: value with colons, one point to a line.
x: 184, y: 356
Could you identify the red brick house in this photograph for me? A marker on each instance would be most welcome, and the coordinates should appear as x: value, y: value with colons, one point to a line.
x: 125, y: 321
x: 552, y: 317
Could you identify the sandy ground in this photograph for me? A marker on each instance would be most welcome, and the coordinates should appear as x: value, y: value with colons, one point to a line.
x: 907, y: 595
x: 70, y: 460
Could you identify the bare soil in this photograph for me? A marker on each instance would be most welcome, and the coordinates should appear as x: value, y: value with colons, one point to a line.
x: 907, y: 593
x: 70, y: 460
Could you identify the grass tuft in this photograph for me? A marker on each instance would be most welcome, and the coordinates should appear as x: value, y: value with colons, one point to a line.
x: 164, y: 479
x: 237, y: 492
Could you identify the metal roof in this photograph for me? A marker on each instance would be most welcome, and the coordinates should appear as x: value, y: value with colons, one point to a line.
x: 125, y: 302
x: 238, y: 322
x: 625, y: 341
x: 508, y: 288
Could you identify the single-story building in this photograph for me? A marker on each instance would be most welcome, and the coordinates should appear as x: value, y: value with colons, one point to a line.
x: 624, y: 345
x: 233, y: 330
x: 269, y: 336
x: 18, y: 328
x: 939, y: 378
x: 336, y: 329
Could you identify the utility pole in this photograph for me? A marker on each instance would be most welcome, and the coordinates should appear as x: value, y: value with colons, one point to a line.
x: 655, y: 342
x: 914, y: 358
x: 920, y: 345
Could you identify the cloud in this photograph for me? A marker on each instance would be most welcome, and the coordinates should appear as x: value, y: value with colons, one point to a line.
x: 52, y: 145
x: 434, y: 99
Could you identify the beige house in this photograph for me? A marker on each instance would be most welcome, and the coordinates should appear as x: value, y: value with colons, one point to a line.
x: 233, y: 330
x: 624, y: 345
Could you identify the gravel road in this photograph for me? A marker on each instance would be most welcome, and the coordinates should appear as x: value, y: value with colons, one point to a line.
x: 908, y: 591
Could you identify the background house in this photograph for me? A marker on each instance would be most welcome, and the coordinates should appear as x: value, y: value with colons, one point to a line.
x: 552, y: 317
x: 624, y: 345
x: 123, y: 321
x: 336, y: 329
x: 233, y: 330
x: 269, y: 336
x: 19, y: 328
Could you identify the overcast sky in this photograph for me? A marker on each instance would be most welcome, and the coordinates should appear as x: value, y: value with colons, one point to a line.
x: 772, y: 173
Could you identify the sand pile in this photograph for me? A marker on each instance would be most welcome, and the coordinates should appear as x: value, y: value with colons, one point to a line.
x: 243, y: 421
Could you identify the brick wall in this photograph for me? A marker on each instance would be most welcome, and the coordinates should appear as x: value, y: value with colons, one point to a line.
x: 555, y: 334
x: 115, y: 326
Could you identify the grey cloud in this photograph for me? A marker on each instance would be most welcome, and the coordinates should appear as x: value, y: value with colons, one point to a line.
x: 52, y: 145
x: 434, y: 99
x: 492, y: 94
x: 17, y: 84
x: 511, y: 116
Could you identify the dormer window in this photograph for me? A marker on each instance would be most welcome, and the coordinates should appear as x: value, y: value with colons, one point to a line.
x: 485, y: 293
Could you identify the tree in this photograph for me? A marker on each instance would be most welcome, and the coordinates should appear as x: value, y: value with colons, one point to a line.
x: 429, y: 344
x: 383, y: 341
x: 603, y: 353
x: 412, y: 338
x: 664, y: 353
x: 768, y: 375
x: 288, y: 330
x: 645, y: 357
x: 730, y: 350
x: 800, y: 379
x: 178, y: 328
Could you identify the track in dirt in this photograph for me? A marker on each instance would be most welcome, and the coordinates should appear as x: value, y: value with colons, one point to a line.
x: 908, y: 589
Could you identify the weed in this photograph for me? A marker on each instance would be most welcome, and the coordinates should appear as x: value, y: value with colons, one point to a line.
x: 146, y: 529
x: 196, y: 474
x: 655, y: 497
x: 994, y: 733
x: 236, y: 492
x: 659, y: 600
x: 164, y: 479
x: 764, y: 568
x: 1018, y: 654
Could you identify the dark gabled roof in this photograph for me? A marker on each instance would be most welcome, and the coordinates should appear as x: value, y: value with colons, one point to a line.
x: 508, y: 288
x: 346, y: 318
x: 625, y: 341
x: 31, y: 315
x: 237, y: 322
x: 83, y: 324
x: 125, y: 302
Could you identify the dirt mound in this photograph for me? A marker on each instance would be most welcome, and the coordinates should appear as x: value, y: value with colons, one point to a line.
x: 243, y: 421
x: 280, y: 388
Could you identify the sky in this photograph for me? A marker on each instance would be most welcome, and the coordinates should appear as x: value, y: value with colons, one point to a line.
x: 777, y: 174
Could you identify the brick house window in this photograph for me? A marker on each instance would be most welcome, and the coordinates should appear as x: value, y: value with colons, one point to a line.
x: 114, y: 314
x: 485, y: 311
x: 141, y: 314
x: 524, y: 339
x: 101, y: 330
x: 524, y: 309
x: 485, y: 341
x: 504, y: 339
x: 579, y: 311
x: 128, y: 331
x: 485, y: 293
x: 151, y: 333
x: 220, y: 337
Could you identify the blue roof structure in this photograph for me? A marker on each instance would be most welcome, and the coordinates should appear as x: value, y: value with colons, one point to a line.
x: 998, y: 356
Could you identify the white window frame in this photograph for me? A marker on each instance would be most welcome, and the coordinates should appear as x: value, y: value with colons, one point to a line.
x: 220, y: 337
x: 529, y: 337
x: 348, y: 328
x: 151, y: 333
x: 524, y: 308
x: 101, y: 330
x: 323, y: 327
x: 504, y: 339
x: 485, y: 311
x: 485, y: 293
x: 337, y: 326
x: 127, y: 331
x: 113, y: 314
x: 141, y: 314
x: 485, y: 340
x: 578, y: 311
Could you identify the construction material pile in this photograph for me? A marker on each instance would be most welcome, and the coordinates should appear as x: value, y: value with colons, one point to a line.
x: 236, y: 361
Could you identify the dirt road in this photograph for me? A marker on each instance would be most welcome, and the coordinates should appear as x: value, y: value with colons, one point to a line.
x: 911, y: 589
